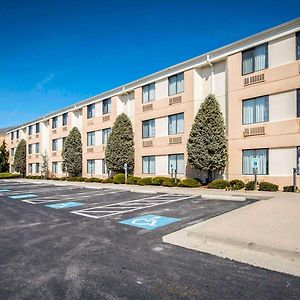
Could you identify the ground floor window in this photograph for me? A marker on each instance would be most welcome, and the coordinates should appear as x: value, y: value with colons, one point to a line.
x: 104, y: 167
x: 176, y: 163
x: 55, y: 167
x: 37, y: 168
x: 263, y: 159
x: 148, y: 164
x: 298, y: 160
x: 30, y: 168
x: 91, y: 166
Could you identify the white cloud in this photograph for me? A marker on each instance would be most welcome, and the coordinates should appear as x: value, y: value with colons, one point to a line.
x: 40, y: 85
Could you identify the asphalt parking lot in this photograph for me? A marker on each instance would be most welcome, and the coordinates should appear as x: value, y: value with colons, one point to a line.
x: 67, y: 242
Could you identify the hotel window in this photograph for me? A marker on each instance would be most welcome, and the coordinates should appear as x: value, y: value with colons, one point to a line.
x: 298, y: 45
x: 176, y: 123
x: 176, y: 84
x: 54, y: 122
x: 37, y: 168
x: 298, y: 160
x: 176, y: 162
x: 30, y: 168
x: 256, y: 110
x: 37, y: 127
x: 64, y: 140
x: 30, y: 130
x: 255, y: 59
x: 105, y: 134
x: 91, y: 141
x: 12, y: 136
x: 55, y: 167
x: 148, y: 164
x: 106, y: 106
x: 148, y: 128
x: 12, y: 152
x: 30, y: 149
x: 91, y: 166
x: 37, y: 148
x: 18, y: 134
x: 263, y: 166
x: 55, y: 145
x: 91, y: 111
x: 104, y: 167
x: 149, y: 92
x: 65, y: 119
x: 298, y: 103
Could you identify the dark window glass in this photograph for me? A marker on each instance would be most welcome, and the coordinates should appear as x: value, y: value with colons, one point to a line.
x: 65, y: 119
x: 91, y: 111
x: 298, y: 45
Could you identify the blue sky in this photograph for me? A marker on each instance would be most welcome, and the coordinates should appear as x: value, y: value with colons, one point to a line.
x: 54, y: 53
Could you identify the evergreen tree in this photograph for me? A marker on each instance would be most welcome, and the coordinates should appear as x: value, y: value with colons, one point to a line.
x: 72, y: 153
x: 45, y: 166
x: 207, y: 143
x: 20, y: 158
x: 120, y: 149
x: 4, y: 155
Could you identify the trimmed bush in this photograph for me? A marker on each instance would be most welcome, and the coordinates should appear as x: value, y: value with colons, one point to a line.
x: 9, y: 175
x: 145, y: 181
x: 71, y: 178
x: 108, y: 180
x: 81, y: 179
x: 218, y: 184
x: 158, y: 180
x: 133, y: 179
x: 93, y: 179
x: 189, y: 182
x: 119, y: 178
x: 289, y: 188
x: 268, y: 186
x: 236, y: 184
x: 250, y: 186
x: 170, y: 182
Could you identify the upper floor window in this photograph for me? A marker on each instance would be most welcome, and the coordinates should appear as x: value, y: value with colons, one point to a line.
x: 263, y: 158
x: 176, y: 163
x: 55, y: 145
x: 298, y: 103
x: 148, y: 128
x: 37, y: 127
x: 18, y: 133
x: 256, y: 110
x: 105, y: 134
x: 37, y: 148
x: 149, y: 92
x: 91, y: 138
x: 176, y: 124
x: 65, y: 119
x: 30, y: 149
x: 149, y: 164
x: 54, y: 122
x: 91, y: 111
x: 12, y: 135
x: 106, y: 106
x: 91, y: 166
x: 12, y: 151
x: 298, y: 160
x: 64, y: 140
x: 255, y: 59
x: 298, y: 45
x: 30, y: 130
x: 176, y: 84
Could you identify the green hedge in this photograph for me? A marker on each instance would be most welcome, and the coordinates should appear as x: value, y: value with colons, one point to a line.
x: 236, y: 184
x: 133, y: 179
x: 93, y: 179
x: 189, y: 182
x: 158, y: 180
x: 250, y: 186
x: 268, y: 187
x: 218, y: 184
x: 108, y: 180
x: 170, y: 182
x: 9, y: 175
x: 145, y: 181
x: 119, y: 178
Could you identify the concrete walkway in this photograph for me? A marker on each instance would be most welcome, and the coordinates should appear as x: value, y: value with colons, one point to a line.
x: 264, y: 234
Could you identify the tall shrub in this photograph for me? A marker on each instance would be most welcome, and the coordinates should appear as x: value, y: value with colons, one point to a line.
x: 20, y: 158
x: 120, y: 144
x: 207, y: 143
x: 4, y: 155
x: 72, y: 153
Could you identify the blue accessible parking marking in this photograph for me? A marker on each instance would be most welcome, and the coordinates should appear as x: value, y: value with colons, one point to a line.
x: 64, y: 205
x: 4, y: 191
x: 149, y: 222
x: 24, y: 196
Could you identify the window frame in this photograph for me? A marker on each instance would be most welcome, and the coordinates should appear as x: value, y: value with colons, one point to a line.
x: 182, y: 113
x: 37, y: 128
x: 37, y: 147
x: 253, y: 58
x: 147, y: 86
x: 30, y: 131
x: 93, y: 166
x: 106, y: 106
x: 65, y: 117
x: 91, y: 139
x: 104, y: 130
x: 30, y: 148
x: 91, y: 111
x: 266, y: 114
x: 298, y: 159
x: 55, y: 170
x: 267, y: 161
x: 54, y: 142
x: 298, y: 45
x: 54, y: 122
x: 37, y: 168
x: 176, y: 167
x: 148, y: 157
x: 176, y: 86
x: 30, y: 169
x: 148, y: 129
x: 298, y: 102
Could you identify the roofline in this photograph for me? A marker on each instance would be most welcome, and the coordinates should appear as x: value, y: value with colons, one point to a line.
x: 198, y: 61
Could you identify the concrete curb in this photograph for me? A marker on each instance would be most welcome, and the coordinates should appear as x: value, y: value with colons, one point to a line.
x: 223, y: 197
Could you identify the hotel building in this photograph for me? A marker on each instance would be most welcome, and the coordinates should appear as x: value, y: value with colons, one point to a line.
x: 256, y: 81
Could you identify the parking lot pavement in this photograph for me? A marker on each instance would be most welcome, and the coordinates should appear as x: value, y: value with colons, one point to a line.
x: 54, y: 250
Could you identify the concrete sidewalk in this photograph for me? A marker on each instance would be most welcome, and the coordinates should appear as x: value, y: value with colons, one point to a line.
x: 264, y: 234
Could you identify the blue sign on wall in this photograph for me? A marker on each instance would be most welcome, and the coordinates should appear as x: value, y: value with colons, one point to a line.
x: 149, y: 222
x: 64, y: 205
x: 24, y: 196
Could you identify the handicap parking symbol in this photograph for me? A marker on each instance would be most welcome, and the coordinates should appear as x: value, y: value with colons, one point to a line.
x: 64, y: 205
x: 149, y: 222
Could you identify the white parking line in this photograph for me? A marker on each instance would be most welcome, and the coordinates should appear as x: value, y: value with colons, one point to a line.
x: 117, y: 208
